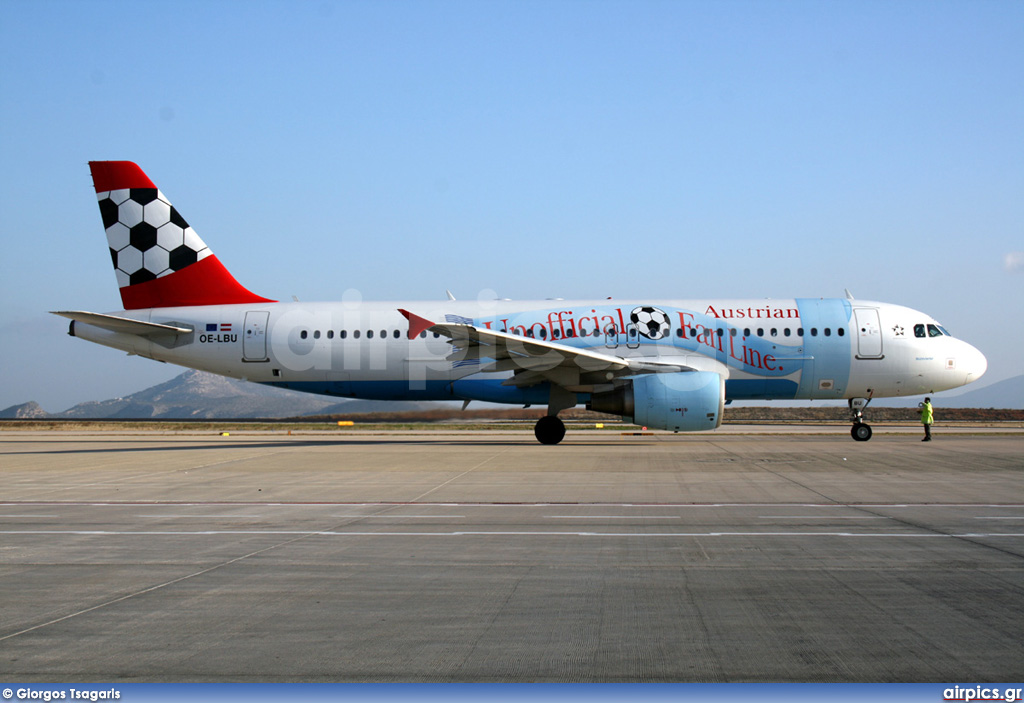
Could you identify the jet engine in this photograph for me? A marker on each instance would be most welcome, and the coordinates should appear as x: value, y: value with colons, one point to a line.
x: 683, y: 402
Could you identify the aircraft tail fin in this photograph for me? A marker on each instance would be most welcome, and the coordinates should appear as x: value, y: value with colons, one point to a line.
x: 159, y: 260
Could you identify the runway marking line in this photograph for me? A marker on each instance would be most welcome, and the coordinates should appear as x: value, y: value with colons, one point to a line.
x: 823, y: 517
x: 488, y: 533
x: 614, y: 517
x: 314, y: 504
x: 29, y: 516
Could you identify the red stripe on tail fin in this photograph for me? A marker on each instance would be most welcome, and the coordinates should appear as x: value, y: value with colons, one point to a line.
x: 113, y: 175
x: 206, y: 282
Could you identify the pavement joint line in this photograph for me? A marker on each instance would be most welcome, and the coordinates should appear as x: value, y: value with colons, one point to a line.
x: 146, y: 474
x: 455, y: 478
x: 144, y: 591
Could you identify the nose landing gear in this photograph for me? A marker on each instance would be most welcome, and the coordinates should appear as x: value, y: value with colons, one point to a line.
x: 861, y: 431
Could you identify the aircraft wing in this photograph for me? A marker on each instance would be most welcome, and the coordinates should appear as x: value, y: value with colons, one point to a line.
x: 124, y: 325
x: 535, y: 360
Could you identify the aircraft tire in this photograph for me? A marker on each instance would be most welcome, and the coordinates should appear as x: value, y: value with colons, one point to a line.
x: 549, y: 430
x: 861, y: 432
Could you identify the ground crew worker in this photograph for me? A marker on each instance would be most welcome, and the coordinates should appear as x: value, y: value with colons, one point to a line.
x: 925, y: 409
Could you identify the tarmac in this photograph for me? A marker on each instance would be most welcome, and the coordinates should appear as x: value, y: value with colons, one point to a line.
x: 484, y: 556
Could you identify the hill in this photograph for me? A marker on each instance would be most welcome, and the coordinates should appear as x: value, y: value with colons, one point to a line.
x: 202, y: 396
x: 25, y: 411
x: 1003, y: 394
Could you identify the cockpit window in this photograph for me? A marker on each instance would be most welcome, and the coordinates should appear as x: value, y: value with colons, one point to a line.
x: 919, y: 331
x: 933, y: 331
x: 944, y: 331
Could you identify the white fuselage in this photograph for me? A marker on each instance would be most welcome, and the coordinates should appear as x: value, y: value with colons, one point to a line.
x: 765, y: 349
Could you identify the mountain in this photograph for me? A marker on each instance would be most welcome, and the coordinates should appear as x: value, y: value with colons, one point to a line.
x: 25, y: 411
x: 1002, y: 394
x: 201, y: 395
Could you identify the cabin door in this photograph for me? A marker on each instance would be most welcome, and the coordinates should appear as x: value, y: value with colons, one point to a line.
x: 869, y: 333
x: 254, y: 336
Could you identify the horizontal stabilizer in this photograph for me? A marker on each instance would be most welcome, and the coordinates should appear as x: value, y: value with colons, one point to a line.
x: 123, y: 325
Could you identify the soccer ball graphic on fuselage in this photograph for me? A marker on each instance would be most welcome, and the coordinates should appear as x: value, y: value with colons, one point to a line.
x: 670, y: 364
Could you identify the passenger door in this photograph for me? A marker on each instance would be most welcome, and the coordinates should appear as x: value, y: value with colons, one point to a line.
x: 869, y: 333
x: 254, y: 336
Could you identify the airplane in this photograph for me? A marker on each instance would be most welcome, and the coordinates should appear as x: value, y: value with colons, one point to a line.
x: 663, y: 364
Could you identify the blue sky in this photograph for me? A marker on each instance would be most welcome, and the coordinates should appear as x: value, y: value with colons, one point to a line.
x: 534, y: 149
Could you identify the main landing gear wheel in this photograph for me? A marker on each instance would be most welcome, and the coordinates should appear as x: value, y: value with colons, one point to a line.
x: 549, y: 430
x: 861, y: 432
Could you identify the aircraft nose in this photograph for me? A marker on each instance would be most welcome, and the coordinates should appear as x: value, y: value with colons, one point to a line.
x: 974, y: 363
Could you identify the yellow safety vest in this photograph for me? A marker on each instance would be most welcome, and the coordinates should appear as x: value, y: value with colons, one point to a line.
x: 926, y: 414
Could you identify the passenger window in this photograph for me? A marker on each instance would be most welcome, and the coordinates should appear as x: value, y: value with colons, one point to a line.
x: 828, y: 331
x: 814, y: 331
x: 679, y: 333
x: 330, y: 334
x: 919, y: 330
x: 555, y: 334
x: 732, y: 331
x: 304, y: 334
x: 423, y: 334
x: 720, y: 331
x: 571, y: 332
x: 437, y: 335
x: 841, y: 331
x: 933, y: 331
x: 543, y: 333
x: 760, y: 331
x: 775, y: 332
x: 355, y: 334
x: 369, y: 334
x: 529, y: 332
x: 799, y: 331
x: 316, y: 335
x: 343, y: 334
x: 396, y: 334
x: 746, y: 331
x: 785, y: 332
x: 383, y: 334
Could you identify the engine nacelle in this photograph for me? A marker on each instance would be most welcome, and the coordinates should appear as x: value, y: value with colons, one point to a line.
x: 684, y: 402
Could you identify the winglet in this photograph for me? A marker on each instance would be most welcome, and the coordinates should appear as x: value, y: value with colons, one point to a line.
x: 416, y: 323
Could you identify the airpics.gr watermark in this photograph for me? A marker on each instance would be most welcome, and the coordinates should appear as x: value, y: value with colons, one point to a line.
x: 981, y: 693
